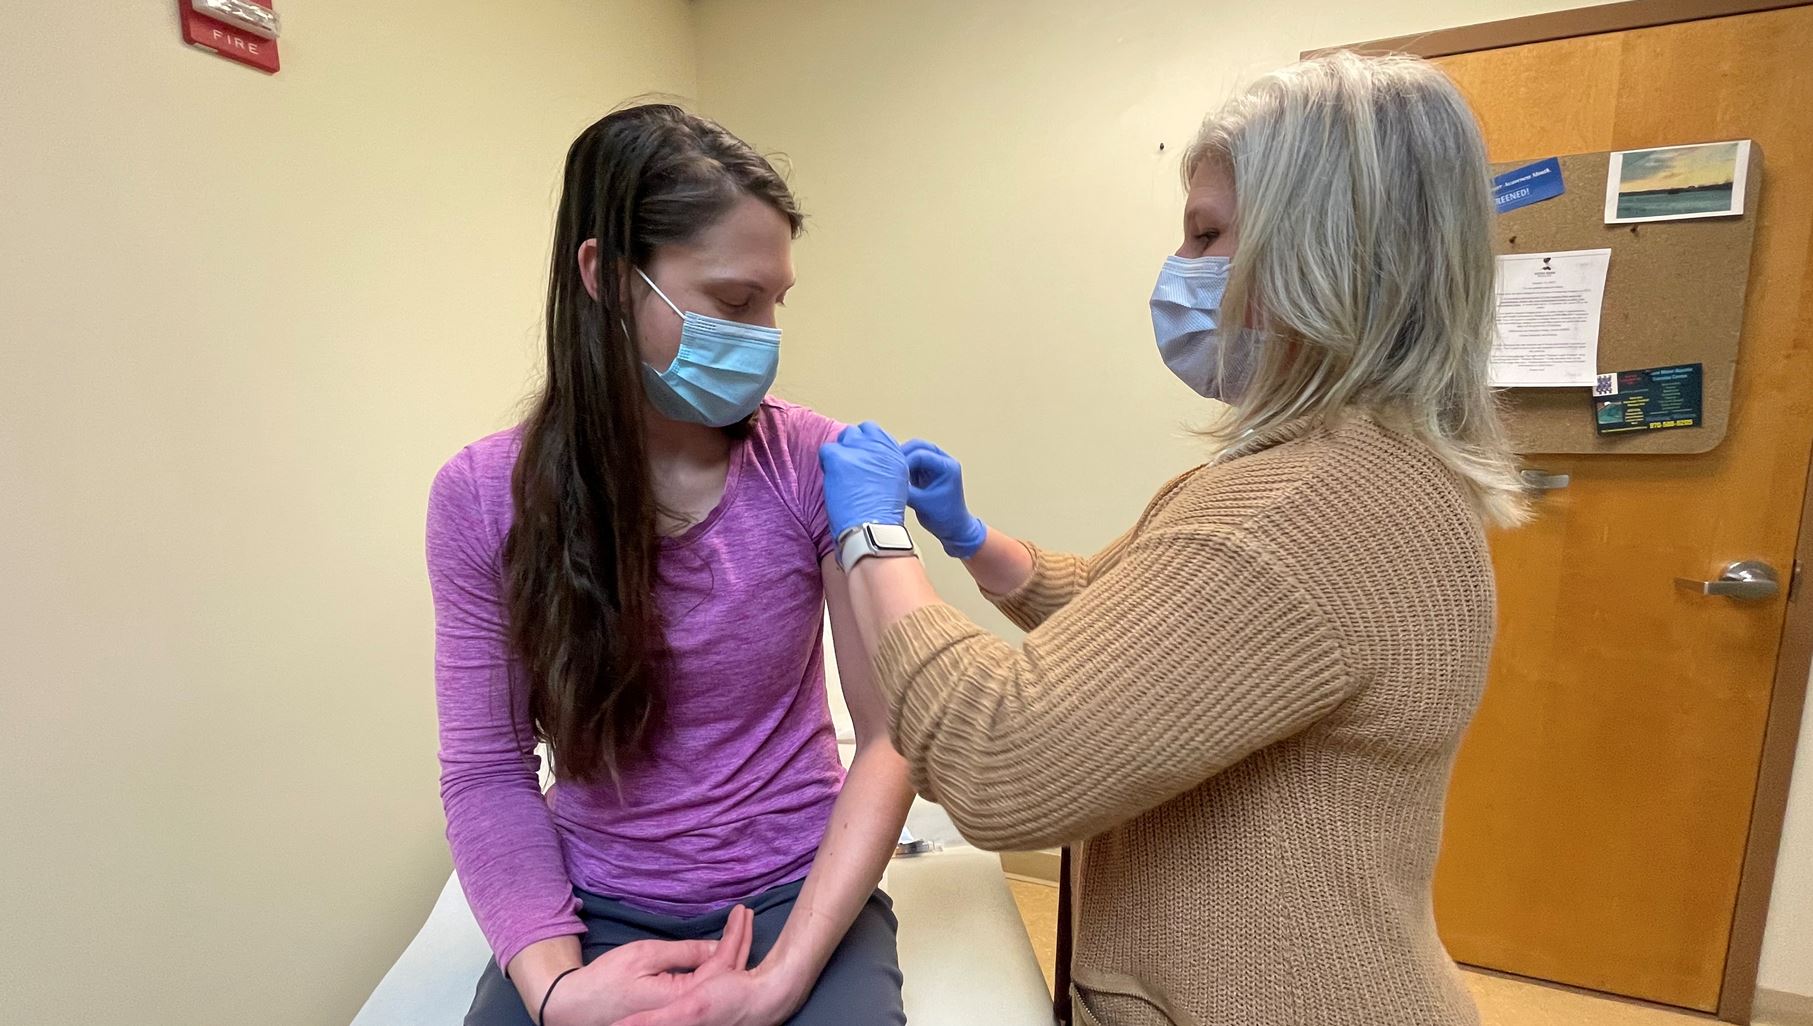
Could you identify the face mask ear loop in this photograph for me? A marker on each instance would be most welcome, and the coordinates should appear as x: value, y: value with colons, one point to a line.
x: 658, y: 292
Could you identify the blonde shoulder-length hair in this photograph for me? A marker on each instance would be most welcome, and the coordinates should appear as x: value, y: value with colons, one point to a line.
x: 1364, y: 260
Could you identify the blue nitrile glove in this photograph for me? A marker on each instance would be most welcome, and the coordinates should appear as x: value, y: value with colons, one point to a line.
x: 936, y: 494
x: 865, y: 478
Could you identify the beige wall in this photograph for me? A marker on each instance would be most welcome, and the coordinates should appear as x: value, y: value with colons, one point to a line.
x: 989, y: 206
x: 244, y: 319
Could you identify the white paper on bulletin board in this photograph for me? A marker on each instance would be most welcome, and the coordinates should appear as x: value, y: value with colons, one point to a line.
x: 1548, y: 318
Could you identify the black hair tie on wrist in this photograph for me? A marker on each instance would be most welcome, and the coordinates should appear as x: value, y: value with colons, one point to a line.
x: 542, y: 1017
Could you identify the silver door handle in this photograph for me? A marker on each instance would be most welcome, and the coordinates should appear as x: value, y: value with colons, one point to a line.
x: 1749, y: 581
x: 1543, y: 481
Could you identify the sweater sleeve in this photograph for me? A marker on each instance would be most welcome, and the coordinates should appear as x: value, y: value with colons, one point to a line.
x: 1192, y: 652
x: 1057, y: 577
x: 503, y: 839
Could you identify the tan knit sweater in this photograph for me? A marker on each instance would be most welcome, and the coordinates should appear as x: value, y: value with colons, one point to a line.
x: 1244, y: 712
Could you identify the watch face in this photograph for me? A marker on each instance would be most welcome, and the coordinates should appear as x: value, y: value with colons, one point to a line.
x: 890, y: 537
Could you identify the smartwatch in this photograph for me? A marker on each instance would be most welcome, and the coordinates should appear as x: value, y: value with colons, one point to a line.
x: 865, y: 540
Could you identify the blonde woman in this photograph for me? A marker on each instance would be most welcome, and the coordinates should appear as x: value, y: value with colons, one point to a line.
x: 1245, y: 710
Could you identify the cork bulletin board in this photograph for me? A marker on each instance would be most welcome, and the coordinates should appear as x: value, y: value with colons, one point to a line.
x: 1674, y: 294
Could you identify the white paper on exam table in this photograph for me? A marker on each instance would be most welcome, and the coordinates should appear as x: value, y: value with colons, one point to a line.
x: 1548, y: 318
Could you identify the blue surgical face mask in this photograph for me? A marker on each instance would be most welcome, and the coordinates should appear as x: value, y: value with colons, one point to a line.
x: 721, y: 373
x: 1186, y: 319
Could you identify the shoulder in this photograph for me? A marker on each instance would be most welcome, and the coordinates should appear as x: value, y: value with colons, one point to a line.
x: 1365, y: 517
x: 472, y: 488
x: 1339, y: 504
x: 482, y: 464
x: 786, y: 437
x: 783, y: 451
x: 1368, y: 472
x: 1355, y: 471
x: 1368, y: 524
x: 798, y: 426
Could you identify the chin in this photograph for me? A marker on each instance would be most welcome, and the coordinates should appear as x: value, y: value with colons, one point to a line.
x: 743, y: 428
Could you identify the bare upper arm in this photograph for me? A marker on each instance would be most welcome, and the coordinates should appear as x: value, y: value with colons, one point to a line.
x: 855, y: 670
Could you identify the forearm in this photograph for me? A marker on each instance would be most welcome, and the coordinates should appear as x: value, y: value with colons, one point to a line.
x: 534, y: 969
x: 1001, y: 565
x: 964, y: 721
x: 948, y: 755
x: 1128, y: 698
x: 508, y: 855
x: 1046, y: 581
x: 864, y: 828
x: 883, y: 591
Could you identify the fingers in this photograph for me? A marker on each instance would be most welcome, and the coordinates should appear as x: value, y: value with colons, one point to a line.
x: 684, y: 1012
x: 873, y: 432
x: 914, y: 445
x: 653, y: 956
x: 748, y: 938
x: 927, y: 468
x: 732, y: 950
x: 929, y: 461
x: 866, y: 433
x: 729, y: 952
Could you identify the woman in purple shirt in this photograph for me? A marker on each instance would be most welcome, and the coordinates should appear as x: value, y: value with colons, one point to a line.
x: 637, y: 576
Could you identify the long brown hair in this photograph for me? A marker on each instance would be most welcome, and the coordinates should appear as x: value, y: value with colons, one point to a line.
x: 580, y: 561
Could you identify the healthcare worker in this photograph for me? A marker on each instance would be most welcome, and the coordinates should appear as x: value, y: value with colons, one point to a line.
x: 1245, y: 710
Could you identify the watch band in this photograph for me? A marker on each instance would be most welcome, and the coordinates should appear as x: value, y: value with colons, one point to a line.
x: 864, y: 540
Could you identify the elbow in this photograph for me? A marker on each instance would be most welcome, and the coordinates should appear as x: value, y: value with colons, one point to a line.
x: 1007, y: 821
x: 465, y: 780
x: 996, y: 836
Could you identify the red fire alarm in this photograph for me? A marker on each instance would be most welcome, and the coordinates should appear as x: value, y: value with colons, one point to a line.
x: 239, y: 30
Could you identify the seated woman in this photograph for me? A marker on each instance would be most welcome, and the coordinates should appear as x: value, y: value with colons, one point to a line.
x: 637, y: 575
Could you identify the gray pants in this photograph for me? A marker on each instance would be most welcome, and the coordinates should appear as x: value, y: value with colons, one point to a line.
x: 859, y: 987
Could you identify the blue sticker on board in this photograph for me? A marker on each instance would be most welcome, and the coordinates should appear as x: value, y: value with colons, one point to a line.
x: 1531, y: 183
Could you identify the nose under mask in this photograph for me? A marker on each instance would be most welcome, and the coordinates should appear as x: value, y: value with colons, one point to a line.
x: 1186, y: 321
x: 721, y: 373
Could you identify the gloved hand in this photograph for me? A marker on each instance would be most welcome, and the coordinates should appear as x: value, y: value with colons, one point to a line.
x: 865, y: 478
x: 936, y: 494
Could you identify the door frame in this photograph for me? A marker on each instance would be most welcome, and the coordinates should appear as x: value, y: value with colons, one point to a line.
x: 1794, y: 661
x: 1545, y: 28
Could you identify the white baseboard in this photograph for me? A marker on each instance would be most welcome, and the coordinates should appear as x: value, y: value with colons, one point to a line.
x: 1780, y: 1008
x: 1041, y: 866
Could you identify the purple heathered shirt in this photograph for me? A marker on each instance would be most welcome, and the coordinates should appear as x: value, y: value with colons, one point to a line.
x: 735, y: 794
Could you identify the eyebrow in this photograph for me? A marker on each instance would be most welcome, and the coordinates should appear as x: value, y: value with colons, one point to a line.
x: 1197, y: 216
x: 749, y: 283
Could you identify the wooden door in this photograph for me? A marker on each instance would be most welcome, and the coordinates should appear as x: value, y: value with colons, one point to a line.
x: 1599, y: 813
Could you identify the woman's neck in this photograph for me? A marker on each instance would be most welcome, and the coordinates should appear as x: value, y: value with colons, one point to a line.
x: 688, y: 465
x: 673, y: 442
